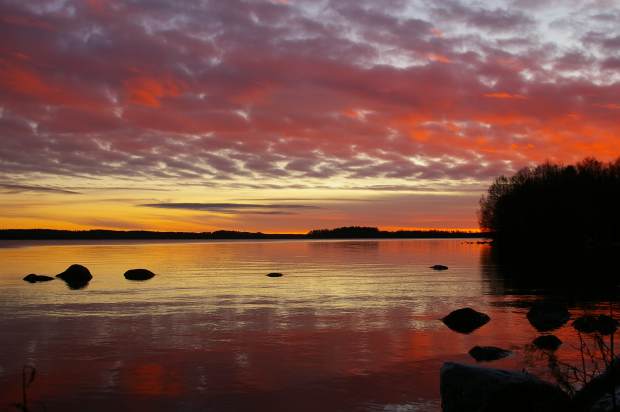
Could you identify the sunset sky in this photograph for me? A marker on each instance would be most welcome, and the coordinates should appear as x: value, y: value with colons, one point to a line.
x: 284, y: 116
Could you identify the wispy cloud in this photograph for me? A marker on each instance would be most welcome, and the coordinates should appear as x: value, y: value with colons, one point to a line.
x: 20, y: 188
x: 234, y: 208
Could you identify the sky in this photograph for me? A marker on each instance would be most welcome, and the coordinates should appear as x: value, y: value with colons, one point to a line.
x: 290, y: 115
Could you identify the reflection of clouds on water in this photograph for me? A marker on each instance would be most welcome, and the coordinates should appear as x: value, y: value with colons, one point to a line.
x: 351, y: 323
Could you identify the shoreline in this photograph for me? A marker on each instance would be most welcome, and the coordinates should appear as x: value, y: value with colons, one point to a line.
x: 19, y: 243
x: 323, y: 234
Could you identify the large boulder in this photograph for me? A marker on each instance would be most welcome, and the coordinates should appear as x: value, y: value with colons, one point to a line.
x: 465, y: 320
x: 547, y: 342
x: 595, y: 394
x: 488, y: 353
x: 439, y: 267
x: 546, y: 316
x: 76, y: 276
x: 139, y: 274
x: 606, y: 404
x: 466, y: 388
x: 33, y: 278
x: 275, y: 275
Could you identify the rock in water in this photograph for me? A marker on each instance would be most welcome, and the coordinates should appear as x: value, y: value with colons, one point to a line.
x: 275, y: 275
x: 546, y: 316
x: 76, y: 276
x: 32, y: 278
x: 139, y: 274
x: 602, y: 324
x: 467, y: 388
x: 488, y: 353
x: 547, y: 342
x: 465, y: 320
x: 439, y: 267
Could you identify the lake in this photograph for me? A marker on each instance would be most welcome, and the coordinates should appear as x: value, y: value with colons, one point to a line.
x: 351, y: 326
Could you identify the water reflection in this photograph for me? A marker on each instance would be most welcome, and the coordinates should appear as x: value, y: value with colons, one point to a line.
x: 573, y: 278
x: 353, y: 325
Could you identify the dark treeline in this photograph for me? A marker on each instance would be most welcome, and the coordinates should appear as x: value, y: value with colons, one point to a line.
x: 338, y: 233
x: 361, y: 232
x: 556, y: 206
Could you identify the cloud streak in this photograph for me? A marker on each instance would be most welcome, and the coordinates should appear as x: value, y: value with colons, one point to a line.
x: 20, y: 188
x: 234, y: 208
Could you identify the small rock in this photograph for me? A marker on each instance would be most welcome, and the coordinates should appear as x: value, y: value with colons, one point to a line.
x: 585, y: 324
x: 465, y: 320
x: 488, y: 353
x: 275, y: 275
x: 546, y: 316
x: 32, y: 278
x: 139, y: 274
x: 467, y: 388
x: 602, y: 324
x: 76, y: 276
x: 547, y: 342
x: 439, y: 267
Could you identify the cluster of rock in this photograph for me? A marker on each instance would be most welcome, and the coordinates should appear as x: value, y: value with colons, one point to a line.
x: 468, y: 388
x: 78, y: 276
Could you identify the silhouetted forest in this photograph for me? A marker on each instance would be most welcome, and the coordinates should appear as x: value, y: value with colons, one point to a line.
x: 556, y: 206
x: 361, y: 232
x: 338, y: 233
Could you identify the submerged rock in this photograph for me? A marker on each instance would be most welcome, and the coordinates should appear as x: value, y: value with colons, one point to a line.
x: 76, y: 276
x: 439, y: 267
x: 547, y: 342
x: 33, y: 278
x: 465, y: 320
x: 139, y: 274
x: 467, y: 388
x: 275, y: 275
x: 488, y: 353
x: 546, y: 316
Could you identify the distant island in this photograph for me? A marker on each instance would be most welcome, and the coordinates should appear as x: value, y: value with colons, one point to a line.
x: 350, y: 232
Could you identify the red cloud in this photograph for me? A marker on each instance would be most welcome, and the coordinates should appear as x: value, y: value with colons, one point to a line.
x: 149, y: 91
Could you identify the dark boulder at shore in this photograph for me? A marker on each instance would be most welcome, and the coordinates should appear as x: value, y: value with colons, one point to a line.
x: 275, y: 275
x: 605, y: 403
x: 33, y: 278
x: 465, y: 320
x: 547, y: 342
x: 595, y: 395
x: 546, y: 316
x: 76, y: 276
x: 466, y: 388
x: 138, y: 274
x: 439, y: 267
x: 488, y: 353
x: 601, y: 324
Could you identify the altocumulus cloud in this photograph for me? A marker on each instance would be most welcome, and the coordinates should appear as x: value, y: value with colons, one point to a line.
x: 272, y: 91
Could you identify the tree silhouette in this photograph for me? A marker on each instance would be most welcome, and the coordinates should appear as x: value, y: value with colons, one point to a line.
x: 575, y: 205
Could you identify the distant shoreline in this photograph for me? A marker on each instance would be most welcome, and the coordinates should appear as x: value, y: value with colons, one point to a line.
x: 340, y: 233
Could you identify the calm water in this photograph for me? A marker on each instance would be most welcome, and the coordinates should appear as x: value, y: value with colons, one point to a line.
x: 352, y: 326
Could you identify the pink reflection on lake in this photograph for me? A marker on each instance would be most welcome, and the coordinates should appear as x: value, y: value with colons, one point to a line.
x: 352, y: 325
